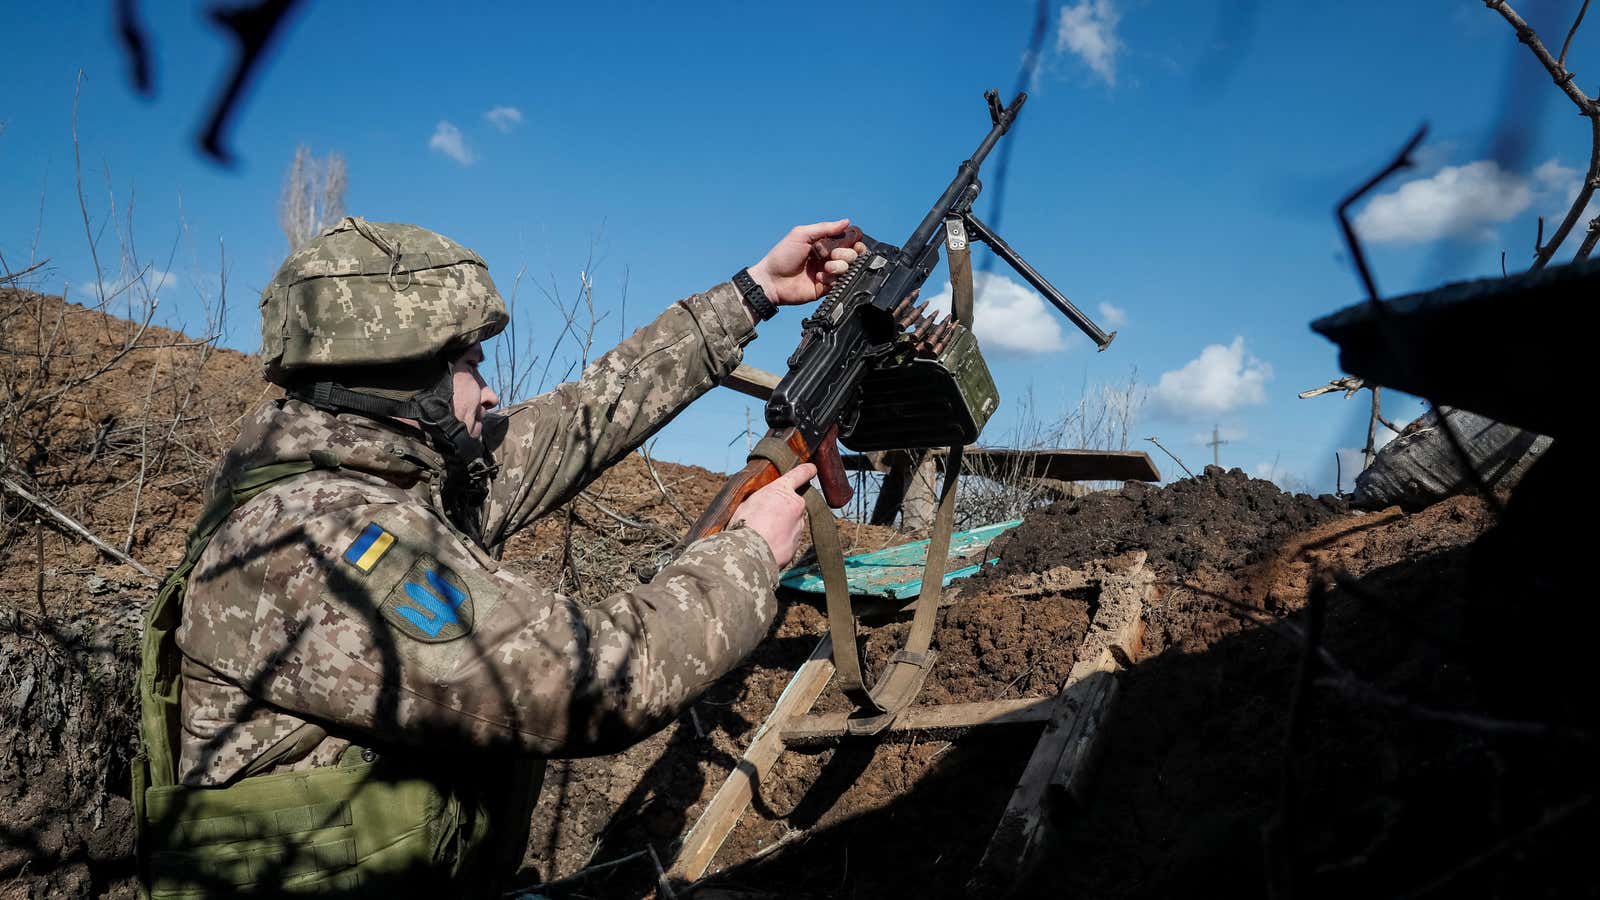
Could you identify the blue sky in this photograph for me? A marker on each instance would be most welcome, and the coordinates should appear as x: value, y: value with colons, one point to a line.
x: 1174, y: 171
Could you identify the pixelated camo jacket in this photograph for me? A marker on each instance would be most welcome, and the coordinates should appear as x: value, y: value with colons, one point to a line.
x: 343, y: 597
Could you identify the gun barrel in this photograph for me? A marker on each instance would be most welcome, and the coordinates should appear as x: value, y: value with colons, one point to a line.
x: 984, y: 233
x: 965, y: 176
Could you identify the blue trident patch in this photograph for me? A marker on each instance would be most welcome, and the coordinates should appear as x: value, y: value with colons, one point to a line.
x: 431, y: 604
x: 431, y: 613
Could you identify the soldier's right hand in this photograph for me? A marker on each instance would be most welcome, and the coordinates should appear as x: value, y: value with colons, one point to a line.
x: 775, y: 512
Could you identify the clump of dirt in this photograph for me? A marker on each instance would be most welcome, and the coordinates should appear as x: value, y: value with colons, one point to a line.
x: 1223, y: 518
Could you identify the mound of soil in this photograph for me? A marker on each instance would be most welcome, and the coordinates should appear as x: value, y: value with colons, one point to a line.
x: 1223, y: 519
x: 1404, y: 766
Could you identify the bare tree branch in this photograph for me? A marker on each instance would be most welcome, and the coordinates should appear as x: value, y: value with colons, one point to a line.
x: 72, y: 525
x: 650, y: 467
x: 1564, y: 79
x: 11, y: 277
x: 1562, y: 59
x: 1174, y: 457
x: 1589, y: 239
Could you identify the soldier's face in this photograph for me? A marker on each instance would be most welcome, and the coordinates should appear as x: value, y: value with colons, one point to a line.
x: 473, y: 396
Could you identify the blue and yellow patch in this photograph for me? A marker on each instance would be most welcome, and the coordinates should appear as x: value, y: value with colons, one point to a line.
x: 368, y: 547
x: 431, y: 604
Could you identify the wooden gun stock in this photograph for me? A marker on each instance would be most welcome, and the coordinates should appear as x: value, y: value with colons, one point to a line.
x: 760, y: 473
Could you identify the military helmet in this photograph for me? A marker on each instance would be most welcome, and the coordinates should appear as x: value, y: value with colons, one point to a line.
x: 375, y: 294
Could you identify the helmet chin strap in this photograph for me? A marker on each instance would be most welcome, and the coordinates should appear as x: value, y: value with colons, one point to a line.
x: 432, y: 409
x: 467, y: 469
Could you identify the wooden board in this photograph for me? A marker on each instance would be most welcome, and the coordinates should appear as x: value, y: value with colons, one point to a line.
x: 751, y: 381
x: 940, y: 723
x: 1071, y: 738
x: 1483, y: 345
x: 1056, y: 465
x: 703, y: 841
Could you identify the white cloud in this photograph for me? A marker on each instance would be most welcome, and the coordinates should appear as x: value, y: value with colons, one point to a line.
x: 447, y: 139
x: 504, y: 118
x: 1551, y: 173
x: 1088, y: 30
x: 1010, y: 316
x: 1556, y: 187
x: 1457, y: 201
x: 1221, y: 379
x: 1112, y: 316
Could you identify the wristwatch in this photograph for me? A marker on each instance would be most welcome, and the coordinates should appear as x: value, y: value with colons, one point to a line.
x: 754, y: 295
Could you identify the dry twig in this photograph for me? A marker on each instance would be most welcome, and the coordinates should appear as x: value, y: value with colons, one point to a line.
x: 1565, y: 79
x: 72, y: 525
x: 1175, y: 459
x: 650, y: 467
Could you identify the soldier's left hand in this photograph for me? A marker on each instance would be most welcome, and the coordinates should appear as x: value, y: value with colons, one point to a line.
x: 802, y: 266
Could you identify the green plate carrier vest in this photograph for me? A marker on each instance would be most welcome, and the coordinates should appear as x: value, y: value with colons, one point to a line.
x: 372, y: 825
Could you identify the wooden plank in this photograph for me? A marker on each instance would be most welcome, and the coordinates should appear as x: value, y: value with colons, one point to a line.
x: 1064, y: 465
x: 1070, y: 782
x: 1071, y: 737
x: 1056, y: 465
x: 751, y: 381
x: 1460, y: 345
x: 703, y: 841
x: 940, y: 723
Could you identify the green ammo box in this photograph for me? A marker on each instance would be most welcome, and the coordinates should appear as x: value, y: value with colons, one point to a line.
x: 910, y: 402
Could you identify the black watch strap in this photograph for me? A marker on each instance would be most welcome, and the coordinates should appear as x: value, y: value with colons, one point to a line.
x: 754, y: 295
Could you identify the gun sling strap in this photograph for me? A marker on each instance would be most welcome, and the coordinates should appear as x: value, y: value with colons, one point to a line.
x: 906, y: 671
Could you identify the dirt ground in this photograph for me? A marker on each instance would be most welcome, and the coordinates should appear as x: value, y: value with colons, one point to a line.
x: 1392, y: 778
x: 1437, y: 747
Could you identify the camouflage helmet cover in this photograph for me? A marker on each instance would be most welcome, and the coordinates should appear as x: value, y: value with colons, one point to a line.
x: 366, y: 294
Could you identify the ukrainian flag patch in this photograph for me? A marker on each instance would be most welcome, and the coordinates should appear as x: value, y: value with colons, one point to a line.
x: 368, y: 547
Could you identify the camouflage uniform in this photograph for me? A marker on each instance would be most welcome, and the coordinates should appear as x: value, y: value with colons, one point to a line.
x: 347, y: 598
x: 340, y: 691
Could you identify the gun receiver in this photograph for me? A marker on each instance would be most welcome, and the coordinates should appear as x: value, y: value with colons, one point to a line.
x: 864, y: 320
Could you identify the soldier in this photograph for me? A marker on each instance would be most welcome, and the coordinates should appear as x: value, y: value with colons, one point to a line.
x: 342, y: 690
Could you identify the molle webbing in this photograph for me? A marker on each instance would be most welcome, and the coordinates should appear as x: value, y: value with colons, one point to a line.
x: 156, y: 765
x: 378, y: 825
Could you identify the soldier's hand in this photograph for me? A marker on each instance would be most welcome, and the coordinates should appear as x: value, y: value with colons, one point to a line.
x: 802, y: 266
x: 775, y: 512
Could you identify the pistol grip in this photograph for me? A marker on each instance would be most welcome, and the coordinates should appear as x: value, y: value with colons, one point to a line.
x: 835, y: 483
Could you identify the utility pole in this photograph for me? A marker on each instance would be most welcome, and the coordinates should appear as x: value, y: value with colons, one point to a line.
x: 1216, y: 441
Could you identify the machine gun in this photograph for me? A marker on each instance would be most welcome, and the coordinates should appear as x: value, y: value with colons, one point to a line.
x: 874, y: 371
